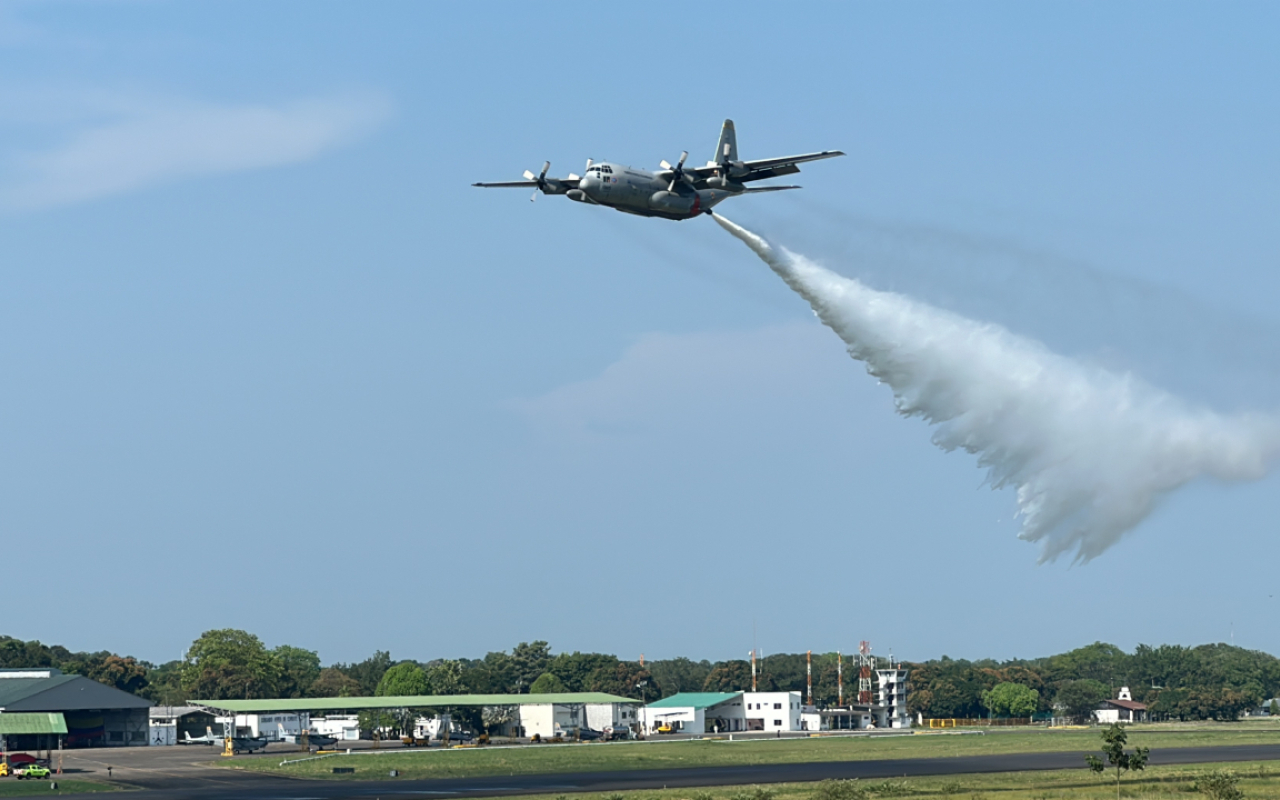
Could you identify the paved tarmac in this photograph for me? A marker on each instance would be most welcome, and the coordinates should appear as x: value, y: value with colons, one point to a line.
x: 177, y: 775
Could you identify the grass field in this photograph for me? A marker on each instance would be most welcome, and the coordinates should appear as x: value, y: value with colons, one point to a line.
x: 478, y: 762
x: 12, y: 787
x: 1258, y: 780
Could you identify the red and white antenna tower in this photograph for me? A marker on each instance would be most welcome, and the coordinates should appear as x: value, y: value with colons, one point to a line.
x: 865, y: 662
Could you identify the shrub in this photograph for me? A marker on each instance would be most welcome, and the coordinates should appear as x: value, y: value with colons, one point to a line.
x: 951, y: 787
x: 839, y: 790
x: 1219, y: 784
x: 890, y: 788
x: 754, y: 793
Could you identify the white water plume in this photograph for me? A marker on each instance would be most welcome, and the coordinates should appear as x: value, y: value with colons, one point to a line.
x: 1090, y: 452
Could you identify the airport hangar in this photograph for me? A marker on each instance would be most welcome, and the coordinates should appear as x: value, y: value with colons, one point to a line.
x: 43, y: 709
x: 530, y: 714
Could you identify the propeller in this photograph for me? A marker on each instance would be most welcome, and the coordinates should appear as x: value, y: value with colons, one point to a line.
x: 677, y: 172
x: 541, y: 180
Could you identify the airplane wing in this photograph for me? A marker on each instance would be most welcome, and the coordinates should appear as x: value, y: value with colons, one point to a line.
x: 758, y: 189
x: 569, y: 183
x: 767, y: 167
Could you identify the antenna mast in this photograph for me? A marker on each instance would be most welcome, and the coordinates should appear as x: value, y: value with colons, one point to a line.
x: 865, y: 663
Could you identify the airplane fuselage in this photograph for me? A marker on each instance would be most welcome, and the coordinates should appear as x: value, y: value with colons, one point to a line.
x: 678, y: 191
x: 638, y: 191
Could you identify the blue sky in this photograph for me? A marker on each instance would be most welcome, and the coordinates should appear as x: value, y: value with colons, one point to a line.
x: 270, y: 362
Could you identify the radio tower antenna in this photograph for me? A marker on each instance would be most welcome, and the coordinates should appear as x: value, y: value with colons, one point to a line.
x: 865, y: 662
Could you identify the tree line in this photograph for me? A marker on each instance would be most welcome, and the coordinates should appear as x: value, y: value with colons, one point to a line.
x: 1216, y: 681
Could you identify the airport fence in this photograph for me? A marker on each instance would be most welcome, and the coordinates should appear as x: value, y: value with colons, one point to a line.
x: 978, y: 723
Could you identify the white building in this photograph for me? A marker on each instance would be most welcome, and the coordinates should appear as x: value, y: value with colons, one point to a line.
x: 549, y: 720
x: 267, y: 726
x: 1123, y: 709
x: 723, y: 712
x: 345, y: 727
x: 893, y: 696
x: 851, y: 718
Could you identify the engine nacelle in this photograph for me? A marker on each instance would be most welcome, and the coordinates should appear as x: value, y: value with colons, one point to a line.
x: 671, y: 202
x: 725, y: 184
x: 579, y: 196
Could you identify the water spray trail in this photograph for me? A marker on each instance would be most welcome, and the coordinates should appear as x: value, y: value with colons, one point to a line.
x: 1090, y: 452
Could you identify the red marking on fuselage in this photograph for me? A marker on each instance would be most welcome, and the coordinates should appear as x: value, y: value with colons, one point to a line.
x: 697, y: 205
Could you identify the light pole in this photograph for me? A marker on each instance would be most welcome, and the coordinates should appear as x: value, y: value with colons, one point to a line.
x: 640, y: 688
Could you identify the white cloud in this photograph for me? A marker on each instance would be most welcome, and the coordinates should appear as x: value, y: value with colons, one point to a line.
x: 153, y: 141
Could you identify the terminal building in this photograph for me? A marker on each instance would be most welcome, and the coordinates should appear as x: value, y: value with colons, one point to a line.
x: 723, y: 712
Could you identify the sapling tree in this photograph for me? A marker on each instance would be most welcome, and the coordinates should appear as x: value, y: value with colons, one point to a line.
x: 1113, y: 741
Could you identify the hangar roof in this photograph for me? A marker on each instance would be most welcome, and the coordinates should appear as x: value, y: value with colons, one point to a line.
x: 694, y: 699
x: 18, y: 724
x: 63, y: 693
x: 410, y: 701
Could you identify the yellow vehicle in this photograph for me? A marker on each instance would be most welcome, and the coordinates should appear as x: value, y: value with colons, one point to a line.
x: 666, y: 728
x: 4, y: 769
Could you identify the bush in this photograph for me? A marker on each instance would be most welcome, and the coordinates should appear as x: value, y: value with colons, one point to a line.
x: 754, y: 793
x: 951, y: 787
x: 839, y: 790
x: 890, y: 788
x: 1219, y: 784
x: 702, y: 796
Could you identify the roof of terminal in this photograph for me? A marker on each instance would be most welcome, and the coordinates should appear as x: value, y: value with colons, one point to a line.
x: 411, y: 701
x: 695, y: 699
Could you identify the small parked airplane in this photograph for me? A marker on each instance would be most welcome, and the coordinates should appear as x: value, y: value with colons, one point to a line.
x: 208, y: 738
x: 676, y: 192
x: 316, y: 740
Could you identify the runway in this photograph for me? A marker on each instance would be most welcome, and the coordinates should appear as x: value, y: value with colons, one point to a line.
x: 215, y: 783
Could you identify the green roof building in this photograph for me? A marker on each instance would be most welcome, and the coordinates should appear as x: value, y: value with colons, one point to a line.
x: 88, y: 713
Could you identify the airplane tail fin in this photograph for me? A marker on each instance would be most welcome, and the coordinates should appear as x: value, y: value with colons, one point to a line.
x: 727, y: 147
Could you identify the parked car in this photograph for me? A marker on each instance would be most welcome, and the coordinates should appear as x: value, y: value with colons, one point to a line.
x: 458, y: 736
x: 31, y: 771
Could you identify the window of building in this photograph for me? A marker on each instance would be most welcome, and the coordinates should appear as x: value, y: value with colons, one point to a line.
x: 777, y: 706
x: 778, y: 722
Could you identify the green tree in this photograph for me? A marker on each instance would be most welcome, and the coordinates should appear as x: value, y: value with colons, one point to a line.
x: 735, y: 676
x: 334, y: 683
x: 444, y: 677
x: 574, y: 669
x: 680, y: 674
x: 1113, y: 742
x: 547, y: 683
x: 368, y: 672
x: 1079, y: 699
x: 623, y: 678
x: 229, y: 664
x: 164, y: 684
x: 403, y: 680
x: 299, y: 669
x: 1274, y: 708
x: 1011, y: 700
x: 528, y: 661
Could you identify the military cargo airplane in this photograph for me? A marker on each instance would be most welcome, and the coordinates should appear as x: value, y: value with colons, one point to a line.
x: 676, y: 192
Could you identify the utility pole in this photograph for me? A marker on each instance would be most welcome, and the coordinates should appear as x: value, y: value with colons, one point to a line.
x: 808, y: 675
x: 839, y: 679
